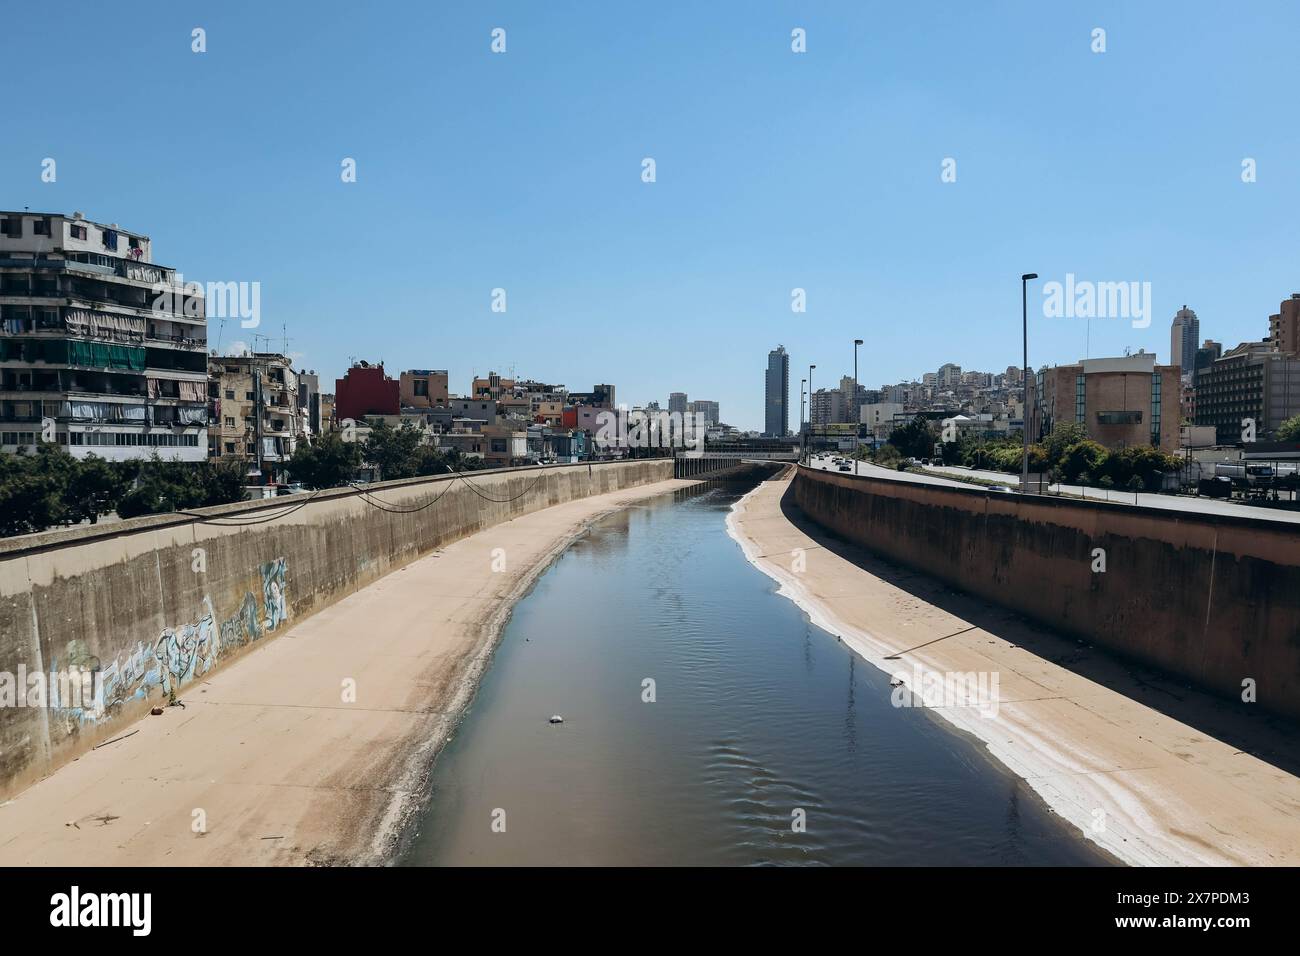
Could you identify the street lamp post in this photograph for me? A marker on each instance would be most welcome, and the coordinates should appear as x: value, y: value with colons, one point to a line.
x: 811, y: 427
x: 1024, y: 424
x: 803, y: 434
x: 856, y: 411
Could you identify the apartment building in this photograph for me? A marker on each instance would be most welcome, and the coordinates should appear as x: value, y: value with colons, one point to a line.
x: 423, y: 388
x: 101, y: 349
x: 364, y: 390
x: 309, y: 402
x: 600, y: 397
x: 505, y: 445
x: 826, y: 407
x: 493, y: 387
x: 257, y: 416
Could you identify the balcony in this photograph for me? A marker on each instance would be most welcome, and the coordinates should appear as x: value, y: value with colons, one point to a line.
x: 99, y: 265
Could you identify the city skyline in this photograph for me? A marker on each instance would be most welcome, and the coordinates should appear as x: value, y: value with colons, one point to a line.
x: 501, y: 190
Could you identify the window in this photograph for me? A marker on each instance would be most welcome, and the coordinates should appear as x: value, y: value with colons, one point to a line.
x: 12, y: 227
x: 230, y: 448
x: 40, y: 227
x: 230, y: 394
x: 422, y: 387
x: 1155, y: 409
x: 248, y: 397
x: 1119, y: 418
x: 133, y: 242
x: 230, y: 422
x: 77, y: 232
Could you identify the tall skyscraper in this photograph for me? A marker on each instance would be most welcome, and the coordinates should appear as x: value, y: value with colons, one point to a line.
x: 1183, y: 336
x: 776, y: 394
x: 677, y: 402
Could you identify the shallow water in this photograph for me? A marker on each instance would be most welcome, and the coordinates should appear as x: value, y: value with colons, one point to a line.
x: 758, y: 715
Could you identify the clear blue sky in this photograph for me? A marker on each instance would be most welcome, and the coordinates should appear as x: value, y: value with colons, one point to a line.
x: 775, y: 171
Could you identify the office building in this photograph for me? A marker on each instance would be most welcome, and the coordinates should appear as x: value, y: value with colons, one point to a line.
x: 710, y: 411
x: 1284, y: 327
x: 1251, y: 384
x: 1184, y: 333
x: 1122, y: 402
x: 776, y: 394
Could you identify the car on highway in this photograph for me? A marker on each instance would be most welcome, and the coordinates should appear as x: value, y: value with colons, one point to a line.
x: 846, y: 467
x: 1000, y: 488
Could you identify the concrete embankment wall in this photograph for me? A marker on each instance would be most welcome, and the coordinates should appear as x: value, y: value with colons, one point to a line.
x: 151, y: 605
x: 1211, y: 598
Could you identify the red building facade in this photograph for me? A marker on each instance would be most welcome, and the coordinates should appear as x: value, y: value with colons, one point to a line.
x: 366, y: 390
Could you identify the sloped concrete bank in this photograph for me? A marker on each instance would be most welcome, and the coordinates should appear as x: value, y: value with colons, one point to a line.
x: 148, y: 606
x: 1211, y: 598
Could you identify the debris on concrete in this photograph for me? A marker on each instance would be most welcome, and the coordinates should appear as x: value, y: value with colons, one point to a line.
x: 116, y: 739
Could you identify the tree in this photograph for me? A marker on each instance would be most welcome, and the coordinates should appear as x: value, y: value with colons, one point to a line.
x: 52, y: 487
x: 888, y: 455
x: 28, y: 502
x: 95, y: 488
x: 327, y: 463
x: 1289, y: 430
x: 1081, y: 459
x: 159, y: 487
x: 394, y: 451
x: 914, y: 439
x: 1144, y: 462
x: 1062, y: 436
x: 955, y: 452
x: 223, y: 482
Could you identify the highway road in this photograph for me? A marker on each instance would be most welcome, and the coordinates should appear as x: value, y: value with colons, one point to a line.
x: 1182, y: 503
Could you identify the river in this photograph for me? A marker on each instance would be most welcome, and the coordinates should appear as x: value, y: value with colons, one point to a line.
x: 766, y: 742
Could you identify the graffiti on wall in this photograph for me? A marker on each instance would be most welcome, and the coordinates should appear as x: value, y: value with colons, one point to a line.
x: 273, y: 595
x: 185, y: 652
